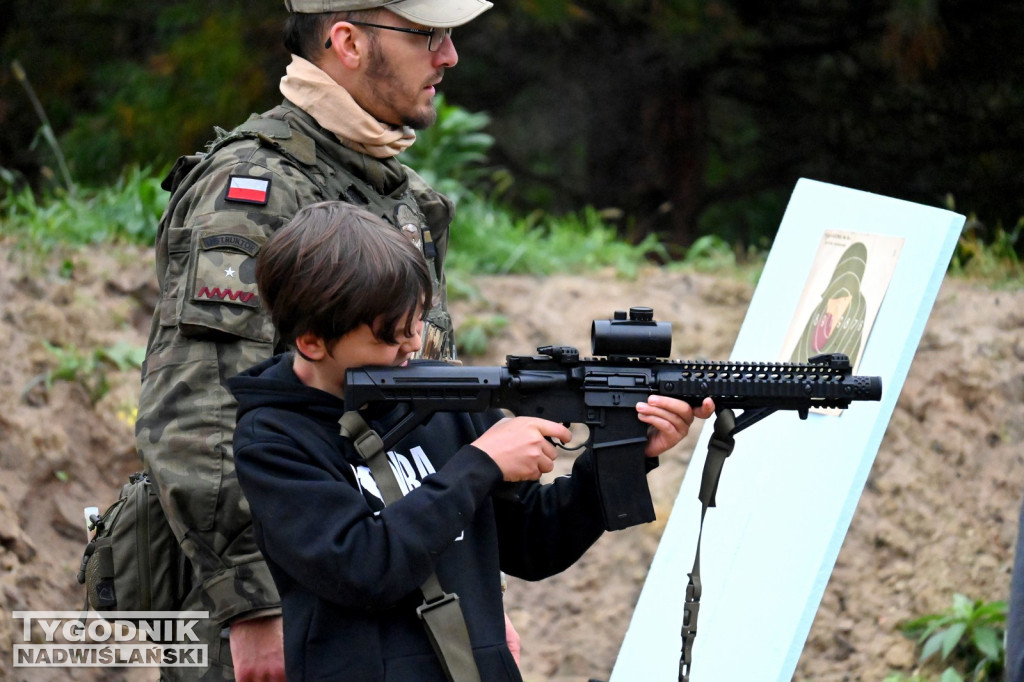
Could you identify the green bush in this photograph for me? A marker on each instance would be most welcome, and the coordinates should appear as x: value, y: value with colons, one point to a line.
x: 988, y: 256
x: 488, y: 239
x: 475, y: 333
x: 968, y: 639
x: 151, y: 109
x: 127, y: 211
x: 89, y: 369
x: 451, y: 155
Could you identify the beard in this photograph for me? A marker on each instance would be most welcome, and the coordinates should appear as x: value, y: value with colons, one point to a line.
x: 388, y: 89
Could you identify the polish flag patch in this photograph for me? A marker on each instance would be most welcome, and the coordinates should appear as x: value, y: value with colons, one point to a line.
x: 248, y: 189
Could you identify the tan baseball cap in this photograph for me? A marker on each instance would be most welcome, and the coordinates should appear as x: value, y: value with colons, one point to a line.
x: 433, y: 13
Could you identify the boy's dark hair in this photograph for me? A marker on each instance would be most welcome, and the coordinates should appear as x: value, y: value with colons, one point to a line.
x: 336, y: 266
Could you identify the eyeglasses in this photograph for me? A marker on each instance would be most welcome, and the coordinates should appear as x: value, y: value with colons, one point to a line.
x: 435, y: 36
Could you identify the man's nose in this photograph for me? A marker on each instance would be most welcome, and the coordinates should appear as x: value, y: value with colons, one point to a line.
x: 446, y: 57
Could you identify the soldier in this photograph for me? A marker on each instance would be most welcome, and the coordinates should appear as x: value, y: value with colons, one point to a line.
x: 361, y: 80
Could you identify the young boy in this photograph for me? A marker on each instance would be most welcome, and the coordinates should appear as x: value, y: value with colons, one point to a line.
x: 345, y: 290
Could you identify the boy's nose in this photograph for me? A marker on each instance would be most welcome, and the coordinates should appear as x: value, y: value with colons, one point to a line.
x: 415, y: 342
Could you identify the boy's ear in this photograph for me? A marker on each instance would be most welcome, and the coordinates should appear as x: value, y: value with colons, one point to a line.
x: 311, y: 347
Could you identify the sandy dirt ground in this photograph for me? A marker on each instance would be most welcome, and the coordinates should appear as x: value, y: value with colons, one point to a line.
x: 938, y: 514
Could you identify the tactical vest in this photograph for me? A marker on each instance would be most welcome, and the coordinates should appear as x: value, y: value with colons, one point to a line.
x: 422, y: 214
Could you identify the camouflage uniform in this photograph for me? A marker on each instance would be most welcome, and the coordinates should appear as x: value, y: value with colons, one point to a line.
x: 209, y: 325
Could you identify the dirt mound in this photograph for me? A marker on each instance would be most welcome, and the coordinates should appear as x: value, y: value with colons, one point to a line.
x: 938, y: 515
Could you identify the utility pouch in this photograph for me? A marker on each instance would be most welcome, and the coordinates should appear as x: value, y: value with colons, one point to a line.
x: 133, y: 561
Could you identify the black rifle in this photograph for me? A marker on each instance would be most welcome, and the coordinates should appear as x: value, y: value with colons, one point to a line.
x: 602, y: 393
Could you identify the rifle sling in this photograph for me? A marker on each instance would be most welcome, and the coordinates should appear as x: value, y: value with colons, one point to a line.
x: 440, y: 611
x: 719, y: 448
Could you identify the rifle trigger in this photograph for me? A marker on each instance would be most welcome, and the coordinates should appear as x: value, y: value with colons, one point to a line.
x: 565, y: 446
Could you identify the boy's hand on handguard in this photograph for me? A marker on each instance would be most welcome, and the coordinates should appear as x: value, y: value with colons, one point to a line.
x: 520, y: 446
x: 670, y: 420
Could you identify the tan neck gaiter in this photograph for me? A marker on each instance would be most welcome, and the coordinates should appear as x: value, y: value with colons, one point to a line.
x: 332, y: 106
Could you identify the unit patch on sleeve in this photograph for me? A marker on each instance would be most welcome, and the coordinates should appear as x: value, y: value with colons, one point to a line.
x: 224, y: 270
x: 248, y: 189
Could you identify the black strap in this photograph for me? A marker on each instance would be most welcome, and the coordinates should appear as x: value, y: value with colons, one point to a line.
x: 719, y: 448
x: 440, y: 611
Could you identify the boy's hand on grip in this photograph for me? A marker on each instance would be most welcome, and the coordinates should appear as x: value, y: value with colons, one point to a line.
x: 521, y: 448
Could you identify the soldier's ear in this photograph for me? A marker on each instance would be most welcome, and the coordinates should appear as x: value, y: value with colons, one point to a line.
x: 349, y: 45
x: 310, y: 347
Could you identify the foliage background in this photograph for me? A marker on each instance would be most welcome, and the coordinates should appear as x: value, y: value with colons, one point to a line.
x: 685, y: 117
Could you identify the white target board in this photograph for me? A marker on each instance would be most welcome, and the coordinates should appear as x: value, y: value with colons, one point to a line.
x: 848, y: 272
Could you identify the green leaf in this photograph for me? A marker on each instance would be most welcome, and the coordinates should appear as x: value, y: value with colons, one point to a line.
x: 992, y: 610
x: 988, y: 642
x: 951, y: 638
x: 962, y: 606
x: 951, y: 675
x: 123, y: 355
x: 932, y: 646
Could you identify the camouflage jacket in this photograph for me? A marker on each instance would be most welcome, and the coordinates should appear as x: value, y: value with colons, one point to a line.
x: 209, y: 325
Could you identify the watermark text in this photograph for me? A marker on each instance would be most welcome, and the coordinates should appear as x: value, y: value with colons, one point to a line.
x: 64, y: 639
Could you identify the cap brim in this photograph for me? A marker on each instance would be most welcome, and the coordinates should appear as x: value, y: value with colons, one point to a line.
x: 439, y: 13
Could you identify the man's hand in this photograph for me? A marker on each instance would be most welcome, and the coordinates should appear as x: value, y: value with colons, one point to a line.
x: 520, y: 446
x: 257, y: 650
x: 670, y: 420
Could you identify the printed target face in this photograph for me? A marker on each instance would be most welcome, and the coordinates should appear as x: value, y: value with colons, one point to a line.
x: 837, y: 323
x: 845, y: 287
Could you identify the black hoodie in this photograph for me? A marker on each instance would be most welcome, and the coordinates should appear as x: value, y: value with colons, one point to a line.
x: 349, y: 570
